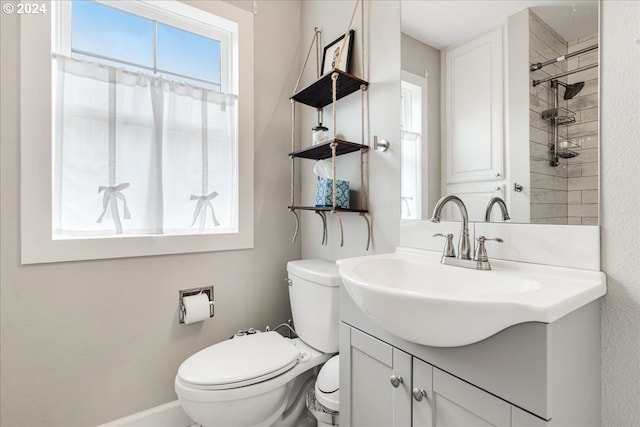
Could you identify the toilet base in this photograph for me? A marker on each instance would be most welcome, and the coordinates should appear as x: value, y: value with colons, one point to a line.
x: 278, y: 402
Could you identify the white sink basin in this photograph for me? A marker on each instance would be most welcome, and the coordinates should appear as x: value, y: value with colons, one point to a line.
x: 411, y: 295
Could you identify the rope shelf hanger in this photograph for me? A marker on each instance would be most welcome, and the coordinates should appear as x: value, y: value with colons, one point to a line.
x: 335, y: 75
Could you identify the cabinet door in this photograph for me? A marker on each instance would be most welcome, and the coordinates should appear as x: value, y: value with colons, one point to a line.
x: 473, y: 110
x: 421, y: 411
x: 372, y: 399
x: 459, y: 404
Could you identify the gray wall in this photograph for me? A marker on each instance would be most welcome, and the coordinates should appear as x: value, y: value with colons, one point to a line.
x: 620, y: 151
x: 88, y: 342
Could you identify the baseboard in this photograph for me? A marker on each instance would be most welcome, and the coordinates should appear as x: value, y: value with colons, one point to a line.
x: 167, y: 415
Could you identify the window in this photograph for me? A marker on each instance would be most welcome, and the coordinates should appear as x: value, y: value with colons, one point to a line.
x: 411, y: 151
x: 151, y: 142
x: 101, y: 33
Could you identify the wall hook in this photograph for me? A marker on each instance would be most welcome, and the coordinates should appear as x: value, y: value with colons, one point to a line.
x: 380, y: 145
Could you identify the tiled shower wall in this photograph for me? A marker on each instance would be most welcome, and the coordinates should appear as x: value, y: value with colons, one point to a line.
x: 549, y: 186
x: 567, y: 193
x: 583, y: 169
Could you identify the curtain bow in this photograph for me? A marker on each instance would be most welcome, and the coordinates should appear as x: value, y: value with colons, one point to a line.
x: 204, y: 201
x: 113, y: 193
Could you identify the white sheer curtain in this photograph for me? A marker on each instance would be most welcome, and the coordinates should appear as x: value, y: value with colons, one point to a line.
x: 137, y: 154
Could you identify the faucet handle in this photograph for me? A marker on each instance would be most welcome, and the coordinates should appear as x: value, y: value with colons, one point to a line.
x: 481, y: 251
x: 448, y: 247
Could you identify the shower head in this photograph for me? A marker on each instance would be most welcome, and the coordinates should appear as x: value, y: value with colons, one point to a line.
x: 571, y: 90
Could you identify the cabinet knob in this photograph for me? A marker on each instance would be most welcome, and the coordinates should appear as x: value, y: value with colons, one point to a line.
x: 418, y: 394
x: 396, y: 381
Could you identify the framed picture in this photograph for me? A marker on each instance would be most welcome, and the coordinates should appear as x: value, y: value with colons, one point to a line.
x: 332, y: 52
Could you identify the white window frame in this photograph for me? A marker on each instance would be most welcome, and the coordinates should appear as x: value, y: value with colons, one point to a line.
x: 36, y: 144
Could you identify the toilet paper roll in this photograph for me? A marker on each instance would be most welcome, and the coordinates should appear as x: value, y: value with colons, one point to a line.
x: 196, y: 308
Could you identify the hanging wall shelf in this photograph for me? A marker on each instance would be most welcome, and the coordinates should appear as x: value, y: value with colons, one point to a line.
x: 323, y: 151
x: 319, y: 93
x: 327, y: 89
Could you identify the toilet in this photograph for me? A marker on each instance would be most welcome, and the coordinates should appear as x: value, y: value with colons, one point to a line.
x: 261, y: 379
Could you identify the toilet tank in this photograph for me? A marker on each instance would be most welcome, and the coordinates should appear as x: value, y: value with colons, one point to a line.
x: 314, y: 287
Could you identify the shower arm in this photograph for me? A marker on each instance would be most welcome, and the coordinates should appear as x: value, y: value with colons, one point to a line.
x: 566, y: 73
x: 535, y: 67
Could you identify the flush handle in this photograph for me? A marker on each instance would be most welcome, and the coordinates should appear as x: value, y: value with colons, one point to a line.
x: 396, y: 381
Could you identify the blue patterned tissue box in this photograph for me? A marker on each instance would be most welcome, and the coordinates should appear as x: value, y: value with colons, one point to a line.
x: 324, y: 193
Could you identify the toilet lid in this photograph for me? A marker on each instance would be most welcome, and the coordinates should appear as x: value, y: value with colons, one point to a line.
x: 238, y: 362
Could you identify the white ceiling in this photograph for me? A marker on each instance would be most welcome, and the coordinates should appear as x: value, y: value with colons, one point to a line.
x: 444, y: 23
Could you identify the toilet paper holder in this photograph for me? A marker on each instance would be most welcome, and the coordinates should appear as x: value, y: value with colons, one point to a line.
x: 194, y: 291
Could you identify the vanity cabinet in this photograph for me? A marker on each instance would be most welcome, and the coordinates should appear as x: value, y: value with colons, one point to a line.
x: 389, y: 387
x: 529, y: 375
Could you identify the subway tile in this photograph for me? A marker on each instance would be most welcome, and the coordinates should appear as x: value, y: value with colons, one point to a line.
x: 583, y: 42
x: 583, y: 210
x: 587, y: 128
x: 589, y: 115
x: 589, y: 141
x: 574, y: 197
x: 541, y: 166
x: 583, y: 102
x: 589, y: 39
x: 574, y: 170
x: 572, y: 63
x: 590, y: 169
x: 545, y: 46
x: 538, y: 150
x: 590, y: 74
x: 590, y: 87
x: 537, y: 104
x: 535, y: 121
x: 589, y: 220
x: 549, y: 197
x: 574, y: 220
x: 588, y: 58
x: 549, y: 211
x: 589, y: 196
x: 589, y: 155
x: 541, y: 30
x: 539, y: 136
x: 583, y: 183
x: 555, y: 221
x: 549, y: 182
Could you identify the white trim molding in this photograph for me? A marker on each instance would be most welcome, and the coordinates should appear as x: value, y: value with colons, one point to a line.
x: 167, y: 415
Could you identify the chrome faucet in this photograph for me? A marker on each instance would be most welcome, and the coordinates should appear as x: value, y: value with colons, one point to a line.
x: 464, y: 245
x: 503, y: 208
x: 480, y: 260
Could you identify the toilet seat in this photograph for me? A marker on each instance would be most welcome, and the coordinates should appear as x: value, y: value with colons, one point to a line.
x: 239, y: 362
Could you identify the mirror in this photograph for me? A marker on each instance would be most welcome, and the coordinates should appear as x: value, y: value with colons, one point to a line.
x: 500, y: 99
